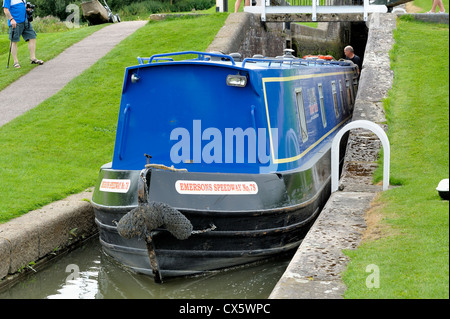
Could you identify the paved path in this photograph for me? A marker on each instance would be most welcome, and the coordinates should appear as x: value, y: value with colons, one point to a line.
x: 44, y: 81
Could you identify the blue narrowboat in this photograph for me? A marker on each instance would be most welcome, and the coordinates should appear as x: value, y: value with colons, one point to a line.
x: 219, y: 161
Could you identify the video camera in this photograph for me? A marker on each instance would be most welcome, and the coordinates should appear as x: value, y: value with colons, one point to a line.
x: 30, y: 9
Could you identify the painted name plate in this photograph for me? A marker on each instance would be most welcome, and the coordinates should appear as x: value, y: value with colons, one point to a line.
x: 216, y: 188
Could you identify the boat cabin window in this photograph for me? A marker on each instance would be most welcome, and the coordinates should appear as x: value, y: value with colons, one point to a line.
x: 349, y: 92
x: 335, y: 100
x: 341, y: 96
x: 322, y: 105
x: 301, y: 113
x: 355, y: 85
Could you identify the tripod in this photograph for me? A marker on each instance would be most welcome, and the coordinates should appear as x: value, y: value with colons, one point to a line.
x: 10, y: 46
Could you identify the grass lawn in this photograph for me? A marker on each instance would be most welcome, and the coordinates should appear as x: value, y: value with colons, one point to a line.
x: 57, y: 148
x: 412, y: 251
x: 426, y: 5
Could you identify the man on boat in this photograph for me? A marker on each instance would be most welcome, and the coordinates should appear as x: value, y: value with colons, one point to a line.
x: 350, y: 55
x: 19, y: 25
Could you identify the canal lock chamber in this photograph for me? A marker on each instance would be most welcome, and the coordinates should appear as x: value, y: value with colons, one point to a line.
x: 328, y: 38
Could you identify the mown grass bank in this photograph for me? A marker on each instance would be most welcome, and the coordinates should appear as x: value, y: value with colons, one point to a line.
x: 425, y: 5
x: 57, y: 148
x: 409, y: 245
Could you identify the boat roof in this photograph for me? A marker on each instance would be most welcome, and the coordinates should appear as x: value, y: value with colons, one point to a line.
x: 280, y: 62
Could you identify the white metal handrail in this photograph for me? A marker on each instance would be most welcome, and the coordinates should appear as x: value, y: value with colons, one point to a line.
x: 375, y: 128
x: 315, y: 8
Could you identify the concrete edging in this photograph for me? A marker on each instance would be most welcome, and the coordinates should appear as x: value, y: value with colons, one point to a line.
x: 38, y: 233
x: 429, y: 17
x: 232, y: 34
x: 314, y: 272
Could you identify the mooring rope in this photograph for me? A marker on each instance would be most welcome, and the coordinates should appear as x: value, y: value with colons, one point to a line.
x: 211, y: 228
x: 164, y: 167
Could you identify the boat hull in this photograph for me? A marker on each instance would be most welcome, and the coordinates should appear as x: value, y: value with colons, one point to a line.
x: 247, y: 228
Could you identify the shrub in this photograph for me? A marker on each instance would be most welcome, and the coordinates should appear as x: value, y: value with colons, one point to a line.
x: 40, y: 25
x: 143, y: 8
x: 188, y: 5
x: 57, y: 8
x: 121, y: 4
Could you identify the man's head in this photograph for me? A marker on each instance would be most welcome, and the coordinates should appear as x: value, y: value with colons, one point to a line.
x: 348, y: 51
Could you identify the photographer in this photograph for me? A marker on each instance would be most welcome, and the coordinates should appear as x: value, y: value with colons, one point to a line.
x: 19, y: 16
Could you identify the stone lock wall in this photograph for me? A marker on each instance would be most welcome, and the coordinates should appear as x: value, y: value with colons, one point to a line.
x: 245, y: 33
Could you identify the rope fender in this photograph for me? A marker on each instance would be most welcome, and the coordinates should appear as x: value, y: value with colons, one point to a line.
x: 140, y: 221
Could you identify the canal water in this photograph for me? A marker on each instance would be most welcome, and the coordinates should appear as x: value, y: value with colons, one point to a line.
x: 87, y: 273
